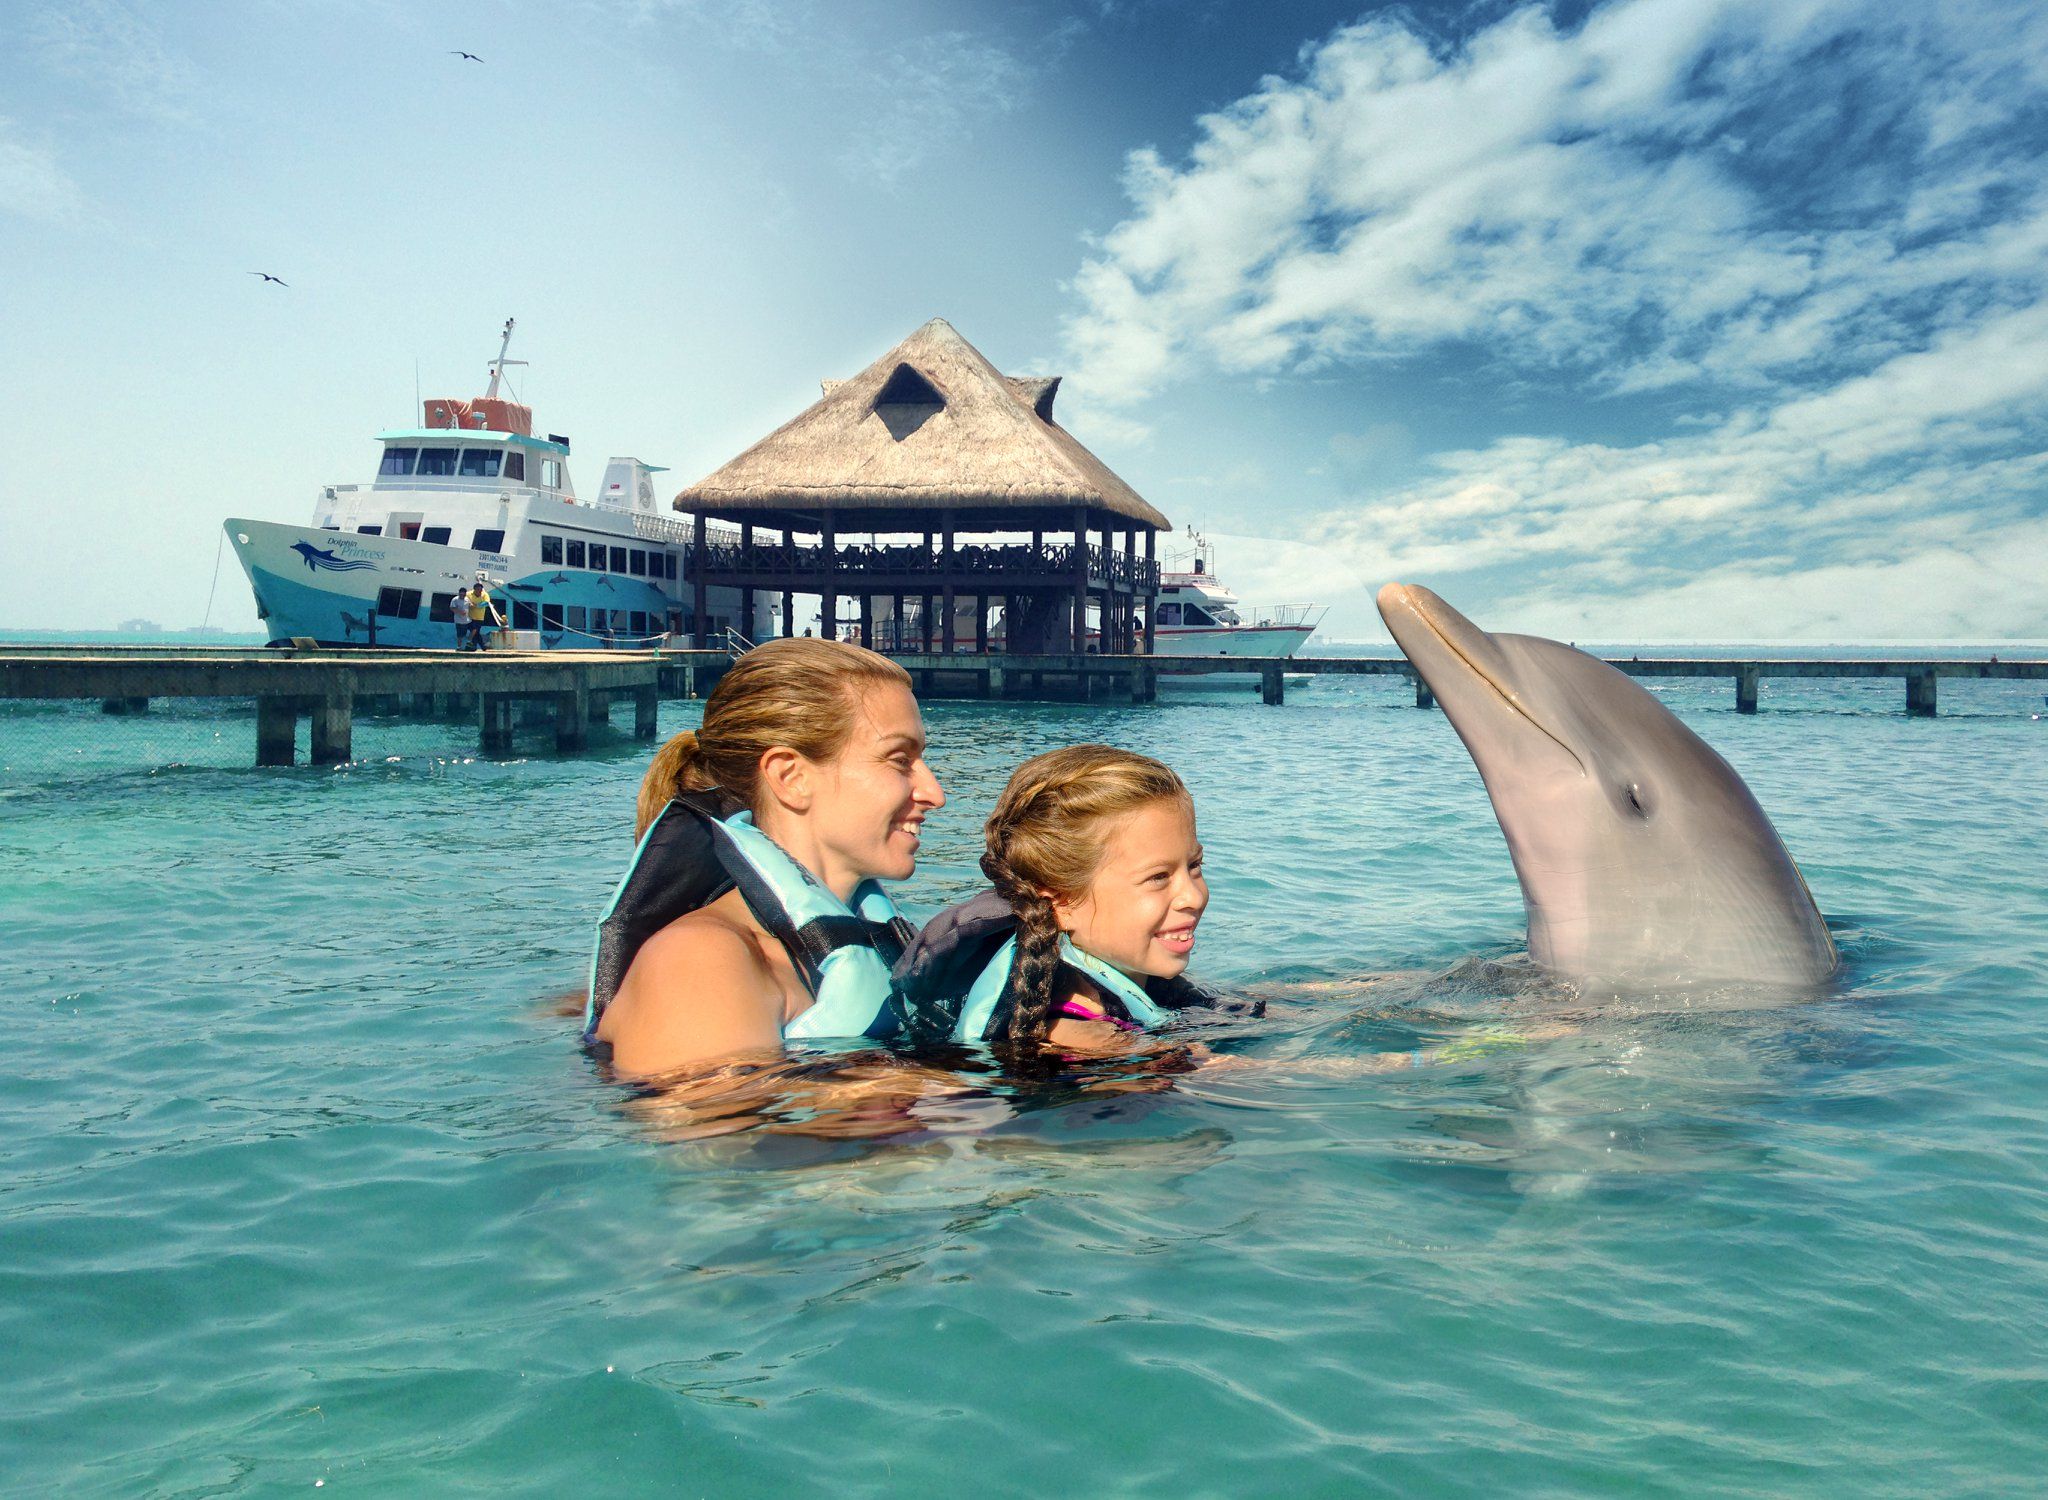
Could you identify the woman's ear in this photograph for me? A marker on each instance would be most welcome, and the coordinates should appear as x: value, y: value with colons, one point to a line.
x: 785, y: 775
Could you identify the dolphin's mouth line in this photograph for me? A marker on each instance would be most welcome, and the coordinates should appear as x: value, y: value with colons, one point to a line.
x: 1491, y: 681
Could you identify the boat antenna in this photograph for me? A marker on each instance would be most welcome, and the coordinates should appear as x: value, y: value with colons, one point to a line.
x: 498, y: 364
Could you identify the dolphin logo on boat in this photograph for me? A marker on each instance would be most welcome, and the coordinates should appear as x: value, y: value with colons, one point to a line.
x: 1642, y: 855
x: 318, y: 559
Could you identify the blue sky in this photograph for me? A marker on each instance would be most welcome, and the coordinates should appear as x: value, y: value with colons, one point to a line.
x: 1652, y: 320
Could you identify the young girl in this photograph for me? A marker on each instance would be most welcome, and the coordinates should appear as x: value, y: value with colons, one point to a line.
x: 1098, y: 891
x: 752, y: 911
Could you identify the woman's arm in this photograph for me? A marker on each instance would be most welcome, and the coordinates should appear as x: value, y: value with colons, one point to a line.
x: 698, y: 991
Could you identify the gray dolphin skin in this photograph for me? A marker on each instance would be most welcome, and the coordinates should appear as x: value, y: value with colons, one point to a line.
x: 1643, y: 858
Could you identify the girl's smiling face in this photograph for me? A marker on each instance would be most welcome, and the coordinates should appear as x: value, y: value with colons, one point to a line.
x: 1147, y: 895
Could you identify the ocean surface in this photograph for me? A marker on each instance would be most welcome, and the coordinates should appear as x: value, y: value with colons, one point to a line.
x: 305, y: 1185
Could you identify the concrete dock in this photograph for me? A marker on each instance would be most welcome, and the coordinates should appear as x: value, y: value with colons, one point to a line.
x: 330, y: 685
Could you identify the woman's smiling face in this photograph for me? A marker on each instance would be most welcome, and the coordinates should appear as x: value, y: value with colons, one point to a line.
x: 1140, y: 910
x: 873, y: 796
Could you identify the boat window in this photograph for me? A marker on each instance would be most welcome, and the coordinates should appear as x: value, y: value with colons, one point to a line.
x: 668, y: 566
x: 488, y: 541
x: 551, y: 617
x: 551, y: 550
x: 1191, y: 614
x: 551, y: 473
x: 638, y: 562
x: 436, y: 461
x: 399, y: 604
x: 408, y: 531
x: 438, y: 535
x: 330, y: 528
x: 575, y: 551
x: 369, y: 531
x: 638, y: 622
x: 515, y: 465
x: 576, y: 618
x: 398, y: 460
x: 440, y: 607
x: 480, y: 463
x: 1166, y: 614
x: 618, y: 559
x: 525, y: 615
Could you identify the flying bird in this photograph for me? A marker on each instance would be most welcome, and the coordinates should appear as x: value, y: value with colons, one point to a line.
x: 268, y: 277
x: 470, y: 55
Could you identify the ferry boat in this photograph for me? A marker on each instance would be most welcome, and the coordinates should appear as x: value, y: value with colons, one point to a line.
x: 1197, y: 616
x: 472, y: 493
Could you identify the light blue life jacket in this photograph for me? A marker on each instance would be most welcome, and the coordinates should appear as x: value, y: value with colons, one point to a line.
x: 695, y: 852
x: 978, y: 1008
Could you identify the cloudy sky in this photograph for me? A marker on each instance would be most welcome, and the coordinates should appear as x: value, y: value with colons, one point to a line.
x: 1656, y: 320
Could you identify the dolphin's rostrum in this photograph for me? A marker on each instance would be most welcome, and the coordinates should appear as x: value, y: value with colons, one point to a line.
x: 1643, y: 857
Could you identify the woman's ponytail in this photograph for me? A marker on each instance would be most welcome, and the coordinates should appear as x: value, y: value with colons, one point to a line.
x: 676, y: 768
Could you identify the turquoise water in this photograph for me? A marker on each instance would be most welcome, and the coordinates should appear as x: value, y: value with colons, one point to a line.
x: 302, y: 1181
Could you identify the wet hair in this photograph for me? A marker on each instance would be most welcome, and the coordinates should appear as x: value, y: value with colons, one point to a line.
x: 796, y: 694
x: 1045, y: 839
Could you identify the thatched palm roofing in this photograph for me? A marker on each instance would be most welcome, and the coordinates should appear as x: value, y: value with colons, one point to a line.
x: 930, y: 424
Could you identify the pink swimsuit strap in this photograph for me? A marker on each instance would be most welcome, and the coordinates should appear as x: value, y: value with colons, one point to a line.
x: 1080, y: 1012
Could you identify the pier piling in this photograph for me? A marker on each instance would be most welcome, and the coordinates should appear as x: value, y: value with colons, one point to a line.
x: 1920, y: 694
x: 646, y: 706
x: 277, y: 729
x: 1424, y: 698
x: 494, y: 723
x: 333, y: 716
x: 1272, y: 685
x: 1745, y: 690
x: 572, y: 718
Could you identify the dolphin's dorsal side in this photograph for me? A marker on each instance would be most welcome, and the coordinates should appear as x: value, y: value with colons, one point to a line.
x: 1643, y: 857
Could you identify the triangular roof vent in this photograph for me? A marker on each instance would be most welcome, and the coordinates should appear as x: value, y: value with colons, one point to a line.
x: 905, y: 387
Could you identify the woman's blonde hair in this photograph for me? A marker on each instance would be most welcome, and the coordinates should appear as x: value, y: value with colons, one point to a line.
x: 1045, y: 839
x: 799, y: 693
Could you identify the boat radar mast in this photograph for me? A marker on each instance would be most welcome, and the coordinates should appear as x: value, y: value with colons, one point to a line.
x: 498, y: 364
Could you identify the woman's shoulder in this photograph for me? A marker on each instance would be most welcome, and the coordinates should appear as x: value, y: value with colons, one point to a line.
x: 702, y: 987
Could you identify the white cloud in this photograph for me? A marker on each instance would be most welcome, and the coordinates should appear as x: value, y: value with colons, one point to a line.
x: 1824, y: 221
x: 32, y: 184
x: 1677, y: 189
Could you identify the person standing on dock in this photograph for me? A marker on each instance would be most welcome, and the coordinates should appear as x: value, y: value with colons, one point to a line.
x: 481, y: 613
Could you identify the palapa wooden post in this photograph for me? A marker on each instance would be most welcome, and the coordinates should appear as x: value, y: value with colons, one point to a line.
x: 828, y: 602
x: 1080, y: 579
x: 1151, y: 593
x: 700, y: 635
x: 747, y: 590
x: 946, y: 572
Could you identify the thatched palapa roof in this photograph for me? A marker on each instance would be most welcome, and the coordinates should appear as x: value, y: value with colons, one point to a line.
x: 930, y: 424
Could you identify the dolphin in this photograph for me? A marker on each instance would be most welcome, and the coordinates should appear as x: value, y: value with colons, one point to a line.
x: 1644, y: 860
x: 319, y: 557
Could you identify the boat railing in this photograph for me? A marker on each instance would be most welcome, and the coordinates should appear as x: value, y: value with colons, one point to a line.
x: 736, y: 645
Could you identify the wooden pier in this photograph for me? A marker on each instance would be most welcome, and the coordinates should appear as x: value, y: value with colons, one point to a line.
x: 330, y: 685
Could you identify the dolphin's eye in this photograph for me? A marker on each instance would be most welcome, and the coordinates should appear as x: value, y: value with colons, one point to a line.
x: 1638, y: 803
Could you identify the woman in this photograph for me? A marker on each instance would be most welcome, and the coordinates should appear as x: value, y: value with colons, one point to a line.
x: 752, y: 913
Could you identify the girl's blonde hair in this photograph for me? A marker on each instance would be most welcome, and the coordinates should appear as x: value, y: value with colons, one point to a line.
x: 799, y: 693
x: 1045, y: 839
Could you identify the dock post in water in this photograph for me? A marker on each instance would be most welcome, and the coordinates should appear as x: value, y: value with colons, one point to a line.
x: 572, y: 718
x: 992, y: 681
x: 1424, y: 698
x: 1920, y: 693
x: 646, y: 705
x: 494, y: 722
x: 1745, y: 690
x: 277, y: 729
x: 333, y: 725
x: 1272, y: 685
